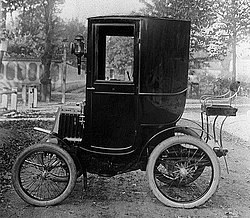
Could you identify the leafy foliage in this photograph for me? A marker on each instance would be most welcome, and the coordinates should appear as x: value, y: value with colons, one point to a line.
x: 215, y: 25
x: 14, y: 137
x: 70, y: 29
x: 37, y: 30
x: 120, y: 52
x: 234, y: 18
x: 234, y: 23
x: 201, y: 14
x: 11, y: 5
x: 38, y: 34
x: 28, y: 39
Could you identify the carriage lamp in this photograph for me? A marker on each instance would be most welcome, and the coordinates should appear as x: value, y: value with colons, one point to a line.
x: 77, y: 48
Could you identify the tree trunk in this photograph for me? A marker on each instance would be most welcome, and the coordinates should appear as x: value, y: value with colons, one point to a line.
x: 47, y: 55
x: 2, y: 26
x: 64, y: 72
x: 225, y: 71
x: 45, y: 79
x: 234, y: 41
x: 234, y: 57
x: 46, y: 92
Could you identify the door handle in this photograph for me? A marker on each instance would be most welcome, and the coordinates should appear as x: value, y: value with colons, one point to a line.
x: 90, y: 88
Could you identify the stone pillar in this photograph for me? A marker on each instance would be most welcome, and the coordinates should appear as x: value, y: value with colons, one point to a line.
x: 35, y: 97
x: 4, y: 70
x: 30, y: 96
x: 24, y: 91
x: 13, y: 99
x: 5, y: 99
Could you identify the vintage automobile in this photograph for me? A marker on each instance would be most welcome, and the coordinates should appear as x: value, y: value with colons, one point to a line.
x: 136, y: 87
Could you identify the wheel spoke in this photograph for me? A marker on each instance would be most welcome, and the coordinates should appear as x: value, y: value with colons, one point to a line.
x: 181, y: 175
x: 44, y: 174
x: 38, y: 182
x: 181, y: 186
x: 34, y: 164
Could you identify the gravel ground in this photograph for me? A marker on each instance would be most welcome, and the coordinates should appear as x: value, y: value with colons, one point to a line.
x: 128, y: 195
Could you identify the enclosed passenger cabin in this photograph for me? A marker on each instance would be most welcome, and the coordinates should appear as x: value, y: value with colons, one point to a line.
x: 137, y: 70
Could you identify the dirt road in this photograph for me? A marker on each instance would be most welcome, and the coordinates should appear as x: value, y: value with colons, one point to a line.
x: 128, y: 195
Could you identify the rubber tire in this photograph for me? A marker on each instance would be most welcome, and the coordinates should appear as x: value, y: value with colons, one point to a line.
x: 49, y: 147
x: 177, y: 140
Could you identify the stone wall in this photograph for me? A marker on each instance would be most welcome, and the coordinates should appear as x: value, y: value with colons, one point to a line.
x: 15, y: 72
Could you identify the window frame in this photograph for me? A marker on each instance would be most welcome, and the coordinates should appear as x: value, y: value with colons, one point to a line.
x: 98, y: 62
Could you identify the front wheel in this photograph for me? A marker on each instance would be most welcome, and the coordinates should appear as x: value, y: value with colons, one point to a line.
x: 178, y: 159
x: 44, y: 174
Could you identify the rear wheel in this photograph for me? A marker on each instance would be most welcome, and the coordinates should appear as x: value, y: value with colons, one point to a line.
x: 44, y: 174
x: 183, y: 171
x: 178, y: 131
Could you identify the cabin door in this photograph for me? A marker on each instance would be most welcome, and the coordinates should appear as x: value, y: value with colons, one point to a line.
x: 111, y: 86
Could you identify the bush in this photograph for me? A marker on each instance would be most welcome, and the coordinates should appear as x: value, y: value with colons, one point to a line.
x: 14, y: 137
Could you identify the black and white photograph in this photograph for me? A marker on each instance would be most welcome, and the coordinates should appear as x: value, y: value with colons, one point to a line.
x: 125, y: 108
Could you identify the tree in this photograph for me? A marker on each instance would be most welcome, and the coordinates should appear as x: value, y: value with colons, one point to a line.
x: 120, y: 52
x: 37, y: 35
x: 233, y: 17
x: 201, y: 14
x: 216, y: 26
x: 70, y: 29
x: 2, y: 25
x: 5, y: 7
x: 49, y: 9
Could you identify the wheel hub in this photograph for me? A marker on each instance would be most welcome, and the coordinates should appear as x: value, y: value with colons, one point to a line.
x: 183, y: 172
x: 44, y: 174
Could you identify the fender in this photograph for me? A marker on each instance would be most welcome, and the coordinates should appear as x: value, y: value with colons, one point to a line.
x: 164, y: 134
x: 52, y: 137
